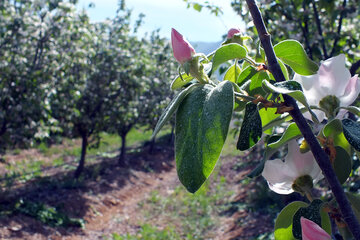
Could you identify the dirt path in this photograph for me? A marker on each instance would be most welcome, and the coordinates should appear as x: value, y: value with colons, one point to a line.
x: 109, y: 200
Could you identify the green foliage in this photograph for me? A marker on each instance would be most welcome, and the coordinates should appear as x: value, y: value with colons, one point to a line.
x: 47, y: 215
x: 293, y: 54
x: 322, y: 26
x: 228, y: 52
x: 352, y: 133
x: 251, y: 128
x: 285, y: 220
x: 172, y: 107
x: 149, y: 232
x: 291, y: 132
x: 342, y: 164
x: 202, y: 123
x: 195, y: 215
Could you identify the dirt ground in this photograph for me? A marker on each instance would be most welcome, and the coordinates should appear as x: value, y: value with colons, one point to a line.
x: 108, y: 200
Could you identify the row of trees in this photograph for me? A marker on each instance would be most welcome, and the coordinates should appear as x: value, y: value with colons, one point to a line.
x: 60, y: 74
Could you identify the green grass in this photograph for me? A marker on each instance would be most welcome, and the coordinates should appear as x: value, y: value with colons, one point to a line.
x: 108, y: 143
x: 46, y: 214
x: 148, y: 232
x: 194, y: 215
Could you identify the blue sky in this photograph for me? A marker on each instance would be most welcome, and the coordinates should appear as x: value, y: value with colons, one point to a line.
x: 165, y: 14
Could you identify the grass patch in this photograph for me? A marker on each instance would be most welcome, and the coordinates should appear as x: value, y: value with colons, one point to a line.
x: 148, y: 232
x: 47, y: 215
x: 194, y: 215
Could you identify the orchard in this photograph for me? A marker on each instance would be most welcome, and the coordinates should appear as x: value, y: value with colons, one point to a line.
x: 290, y: 79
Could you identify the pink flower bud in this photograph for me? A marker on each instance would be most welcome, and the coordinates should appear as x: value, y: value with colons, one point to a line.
x: 183, y: 51
x: 312, y: 231
x: 232, y: 32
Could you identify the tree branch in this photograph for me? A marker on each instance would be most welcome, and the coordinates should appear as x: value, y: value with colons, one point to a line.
x: 318, y: 24
x: 320, y: 156
x: 354, y: 67
x: 342, y: 14
x: 306, y: 30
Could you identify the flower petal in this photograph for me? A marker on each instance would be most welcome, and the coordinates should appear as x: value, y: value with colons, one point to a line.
x: 333, y: 76
x: 312, y: 231
x: 301, y: 163
x: 279, y: 176
x: 182, y: 49
x: 311, y: 88
x: 351, y: 92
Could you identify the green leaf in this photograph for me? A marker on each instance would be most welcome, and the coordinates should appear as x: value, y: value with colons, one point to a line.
x: 284, y: 69
x: 342, y: 164
x: 171, y: 108
x: 256, y: 83
x: 284, y: 221
x: 355, y: 203
x: 292, y: 53
x: 267, y: 115
x: 256, y: 77
x: 291, y: 88
x: 178, y: 82
x: 251, y: 130
x: 352, y: 109
x: 197, y: 7
x: 352, y: 132
x: 291, y: 132
x: 334, y: 130
x: 232, y: 73
x: 226, y: 53
x: 313, y: 212
x: 202, y: 123
x: 246, y: 74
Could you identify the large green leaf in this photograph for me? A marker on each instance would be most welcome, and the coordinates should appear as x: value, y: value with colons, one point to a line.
x: 228, y: 52
x: 267, y: 116
x: 291, y: 88
x: 334, y: 130
x: 251, y: 129
x: 284, y: 221
x: 342, y: 164
x: 246, y: 74
x: 202, y: 123
x: 232, y: 73
x: 313, y: 212
x: 179, y: 82
x: 256, y: 77
x: 171, y: 108
x: 284, y: 69
x: 291, y: 132
x: 352, y: 132
x: 292, y: 53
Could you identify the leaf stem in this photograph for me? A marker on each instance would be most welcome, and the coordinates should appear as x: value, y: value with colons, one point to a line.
x: 248, y: 98
x: 320, y: 156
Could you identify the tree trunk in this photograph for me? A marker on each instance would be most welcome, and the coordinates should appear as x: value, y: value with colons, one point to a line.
x: 122, y: 150
x: 80, y: 167
x: 152, y: 146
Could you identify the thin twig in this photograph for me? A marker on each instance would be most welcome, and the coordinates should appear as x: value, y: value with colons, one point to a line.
x: 318, y: 24
x: 342, y: 14
x: 320, y: 156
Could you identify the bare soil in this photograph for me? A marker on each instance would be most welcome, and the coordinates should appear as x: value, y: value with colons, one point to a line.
x: 108, y: 198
